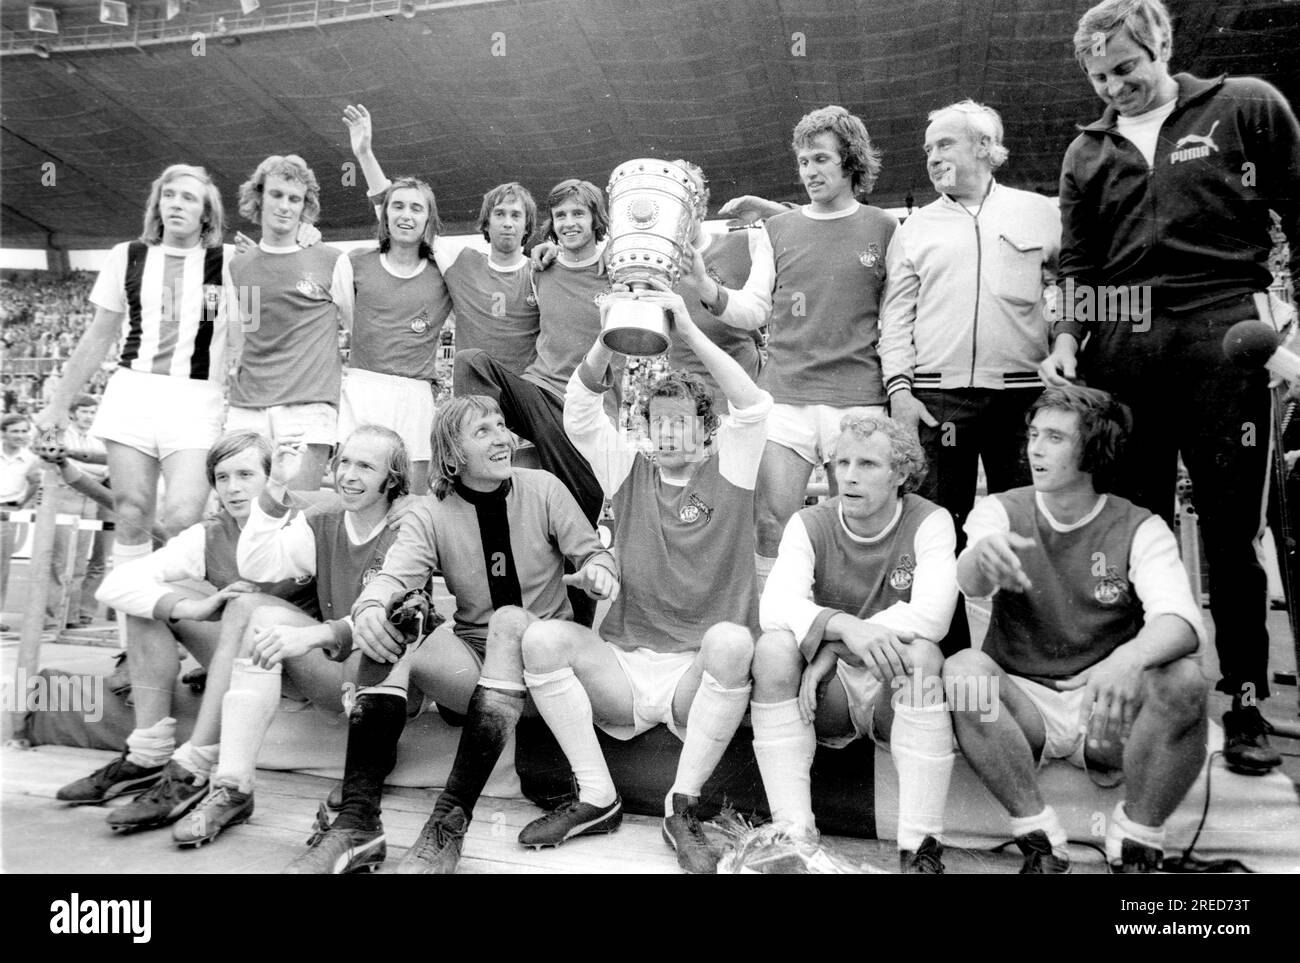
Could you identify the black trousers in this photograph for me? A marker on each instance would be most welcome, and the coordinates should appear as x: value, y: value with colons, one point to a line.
x: 1187, y: 398
x: 974, y: 423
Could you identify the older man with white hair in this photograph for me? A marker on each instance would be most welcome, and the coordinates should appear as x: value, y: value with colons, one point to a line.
x: 965, y: 321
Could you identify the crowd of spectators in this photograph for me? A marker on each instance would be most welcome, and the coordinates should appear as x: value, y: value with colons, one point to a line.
x: 42, y: 318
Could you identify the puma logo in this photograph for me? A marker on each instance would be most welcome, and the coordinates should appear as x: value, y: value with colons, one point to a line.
x: 1204, y: 144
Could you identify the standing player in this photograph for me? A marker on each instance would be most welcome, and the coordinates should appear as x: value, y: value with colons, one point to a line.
x: 1165, y: 210
x: 499, y: 535
x: 337, y: 549
x: 159, y: 613
x: 1092, y: 644
x: 401, y: 304
x: 676, y: 645
x: 862, y: 592
x: 161, y: 411
x: 289, y: 301
x: 817, y: 277
x: 490, y: 286
x: 962, y: 330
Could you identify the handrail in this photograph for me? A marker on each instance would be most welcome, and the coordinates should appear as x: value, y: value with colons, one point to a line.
x: 152, y: 31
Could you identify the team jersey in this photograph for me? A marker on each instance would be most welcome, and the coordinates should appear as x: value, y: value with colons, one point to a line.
x: 396, y: 321
x: 174, y: 313
x: 903, y: 578
x: 207, y: 552
x: 817, y: 280
x: 496, y: 308
x: 289, y: 304
x: 687, y: 551
x: 1096, y: 582
x: 568, y: 301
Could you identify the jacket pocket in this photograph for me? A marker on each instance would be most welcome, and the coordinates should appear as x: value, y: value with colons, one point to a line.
x: 1020, y: 269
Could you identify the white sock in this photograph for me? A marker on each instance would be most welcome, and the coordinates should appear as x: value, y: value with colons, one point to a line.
x: 715, y: 715
x: 784, y: 746
x: 563, y: 703
x: 1048, y: 822
x: 197, y: 760
x: 921, y: 743
x: 1121, y: 828
x: 152, y: 747
x: 763, y: 566
x: 246, y: 713
x: 121, y: 555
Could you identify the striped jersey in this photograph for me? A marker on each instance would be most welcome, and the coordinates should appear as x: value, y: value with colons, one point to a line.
x: 174, y: 318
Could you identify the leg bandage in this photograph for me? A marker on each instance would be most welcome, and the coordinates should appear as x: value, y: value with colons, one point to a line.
x: 199, y: 760
x: 152, y: 747
x: 1049, y: 823
x: 1121, y: 827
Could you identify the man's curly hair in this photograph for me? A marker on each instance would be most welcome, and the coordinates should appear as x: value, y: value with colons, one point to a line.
x: 683, y: 384
x: 905, y: 452
x: 859, y: 157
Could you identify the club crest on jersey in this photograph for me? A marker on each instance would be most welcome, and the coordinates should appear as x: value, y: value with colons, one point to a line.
x: 303, y: 580
x: 370, y: 573
x: 309, y: 287
x: 871, y: 256
x: 900, y: 579
x: 695, y: 509
x: 420, y: 323
x: 1193, y: 146
x: 599, y: 299
x: 1110, y: 588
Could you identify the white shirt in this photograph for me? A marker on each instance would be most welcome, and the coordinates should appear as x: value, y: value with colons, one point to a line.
x: 1144, y: 129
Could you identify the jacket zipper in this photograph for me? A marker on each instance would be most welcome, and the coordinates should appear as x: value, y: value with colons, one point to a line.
x: 975, y: 325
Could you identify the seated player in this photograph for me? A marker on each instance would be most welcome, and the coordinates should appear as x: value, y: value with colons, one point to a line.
x: 862, y: 592
x: 159, y: 614
x: 1093, y: 641
x: 500, y: 536
x: 676, y: 645
x: 287, y: 303
x: 337, y: 547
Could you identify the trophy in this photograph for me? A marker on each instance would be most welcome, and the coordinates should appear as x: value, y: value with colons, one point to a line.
x: 652, y: 206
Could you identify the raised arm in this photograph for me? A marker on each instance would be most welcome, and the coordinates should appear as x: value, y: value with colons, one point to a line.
x: 361, y: 134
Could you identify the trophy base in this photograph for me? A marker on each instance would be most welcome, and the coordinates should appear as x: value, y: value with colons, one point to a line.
x: 636, y: 329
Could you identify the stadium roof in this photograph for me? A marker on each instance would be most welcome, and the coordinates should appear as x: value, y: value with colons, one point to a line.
x: 468, y: 94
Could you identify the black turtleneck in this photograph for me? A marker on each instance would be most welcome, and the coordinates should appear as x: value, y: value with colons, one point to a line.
x: 494, y: 532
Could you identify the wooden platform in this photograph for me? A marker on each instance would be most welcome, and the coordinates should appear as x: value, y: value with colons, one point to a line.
x: 38, y: 834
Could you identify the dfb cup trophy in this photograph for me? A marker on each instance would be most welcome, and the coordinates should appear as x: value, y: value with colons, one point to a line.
x: 652, y: 206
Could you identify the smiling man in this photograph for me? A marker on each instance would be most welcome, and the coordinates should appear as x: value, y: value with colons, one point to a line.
x: 675, y: 648
x: 816, y: 279
x: 290, y: 302
x: 499, y: 535
x: 340, y: 549
x: 1167, y: 199
x: 862, y: 590
x: 1092, y: 645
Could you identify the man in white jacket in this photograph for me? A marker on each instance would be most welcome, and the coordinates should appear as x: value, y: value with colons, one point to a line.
x: 965, y: 321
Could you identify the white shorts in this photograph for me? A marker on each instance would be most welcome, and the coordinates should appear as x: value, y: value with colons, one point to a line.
x: 159, y: 414
x: 810, y: 430
x: 403, y: 404
x: 862, y: 689
x: 316, y: 421
x: 653, y: 677
x: 1063, y: 720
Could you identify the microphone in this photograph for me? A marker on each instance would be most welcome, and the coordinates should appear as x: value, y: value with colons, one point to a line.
x: 1251, y: 344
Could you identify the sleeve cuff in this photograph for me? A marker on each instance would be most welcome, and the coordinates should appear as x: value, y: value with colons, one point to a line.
x: 898, y: 383
x: 340, y: 646
x: 593, y: 383
x: 816, y: 634
x: 163, y: 608
x: 364, y: 604
x: 1067, y: 326
x: 719, y: 307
